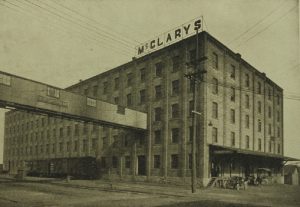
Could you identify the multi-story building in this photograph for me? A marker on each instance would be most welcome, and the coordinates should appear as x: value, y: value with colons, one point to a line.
x: 240, y: 128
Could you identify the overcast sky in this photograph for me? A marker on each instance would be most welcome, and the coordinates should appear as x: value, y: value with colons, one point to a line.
x: 61, y: 41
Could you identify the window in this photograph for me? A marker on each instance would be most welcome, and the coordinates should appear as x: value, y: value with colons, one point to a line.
x: 232, y: 139
x: 129, y: 99
x: 68, y: 146
x: 103, y: 162
x: 142, y: 96
x: 215, y: 134
x: 94, y: 144
x: 116, y: 100
x: 215, y: 86
x: 269, y: 112
x: 278, y: 116
x: 232, y: 116
x: 259, y: 144
x: 269, y: 129
x: 232, y: 72
x: 85, y: 145
x: 157, y: 112
x: 53, y: 92
x: 258, y: 87
x: 105, y: 141
x: 247, y: 100
x: 278, y: 100
x: 247, y: 80
x: 95, y: 90
x: 247, y: 120
x: 176, y: 62
x: 61, y: 132
x: 247, y: 142
x: 116, y: 83
x: 259, y: 107
x: 61, y: 147
x: 190, y: 161
x: 175, y: 87
x: 158, y: 92
x: 127, y: 162
x: 76, y: 145
x: 192, y: 54
x: 6, y: 80
x: 105, y: 87
x: 156, y: 161
x: 191, y: 133
x: 215, y: 60
x: 76, y: 132
x: 191, y: 107
x: 129, y: 79
x: 175, y: 110
x: 54, y: 133
x: 143, y: 74
x: 157, y: 137
x: 114, y: 162
x: 126, y: 140
x: 85, y: 128
x: 214, y: 110
x: 232, y: 94
x: 175, y: 135
x: 86, y: 91
x: 174, y: 161
x: 278, y: 132
x: 91, y: 102
x: 278, y: 148
x: 259, y: 125
x: 269, y: 93
x: 270, y: 146
x: 158, y: 69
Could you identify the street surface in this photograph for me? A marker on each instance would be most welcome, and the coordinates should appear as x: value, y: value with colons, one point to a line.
x: 37, y: 192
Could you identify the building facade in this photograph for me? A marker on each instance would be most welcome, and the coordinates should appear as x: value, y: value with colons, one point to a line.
x: 239, y: 130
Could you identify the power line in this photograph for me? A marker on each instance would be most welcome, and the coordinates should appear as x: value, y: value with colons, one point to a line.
x: 273, y: 22
x: 99, y: 43
x: 93, y: 20
x: 93, y: 28
x: 254, y: 25
x: 72, y: 21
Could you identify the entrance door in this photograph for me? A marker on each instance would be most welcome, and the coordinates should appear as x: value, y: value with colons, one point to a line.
x: 141, y: 165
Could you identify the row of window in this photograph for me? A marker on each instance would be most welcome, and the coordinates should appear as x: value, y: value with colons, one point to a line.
x: 215, y: 90
x: 247, y: 140
x: 39, y: 149
x: 232, y: 113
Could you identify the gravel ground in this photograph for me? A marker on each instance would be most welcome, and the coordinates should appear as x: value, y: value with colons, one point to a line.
x: 77, y: 193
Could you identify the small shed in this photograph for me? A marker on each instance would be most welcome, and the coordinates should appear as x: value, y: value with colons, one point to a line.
x: 291, y: 174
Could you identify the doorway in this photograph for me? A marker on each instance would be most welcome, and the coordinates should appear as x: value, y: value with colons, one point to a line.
x: 141, y: 168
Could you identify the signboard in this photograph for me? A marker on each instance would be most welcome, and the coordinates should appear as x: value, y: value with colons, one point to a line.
x: 185, y: 30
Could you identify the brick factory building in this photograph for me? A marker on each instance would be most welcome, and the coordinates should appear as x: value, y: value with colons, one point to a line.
x: 240, y: 128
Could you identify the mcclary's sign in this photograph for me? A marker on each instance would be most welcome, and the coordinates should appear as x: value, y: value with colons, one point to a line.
x: 170, y: 37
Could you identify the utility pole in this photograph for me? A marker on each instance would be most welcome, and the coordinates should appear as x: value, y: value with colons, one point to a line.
x: 195, y: 77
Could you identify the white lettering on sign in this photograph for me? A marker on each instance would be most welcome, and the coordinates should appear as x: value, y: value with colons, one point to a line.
x: 170, y: 37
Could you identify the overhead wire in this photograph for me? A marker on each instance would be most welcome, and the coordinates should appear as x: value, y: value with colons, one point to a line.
x: 92, y: 20
x: 88, y: 38
x: 107, y: 35
x: 258, y: 22
x: 268, y: 26
x: 75, y: 23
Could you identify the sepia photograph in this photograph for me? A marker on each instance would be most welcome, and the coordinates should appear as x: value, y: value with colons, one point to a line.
x: 149, y: 103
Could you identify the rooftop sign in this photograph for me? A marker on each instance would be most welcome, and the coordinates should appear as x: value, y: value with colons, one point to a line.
x: 176, y: 34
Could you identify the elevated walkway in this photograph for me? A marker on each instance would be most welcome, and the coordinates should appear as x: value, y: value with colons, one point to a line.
x: 24, y: 94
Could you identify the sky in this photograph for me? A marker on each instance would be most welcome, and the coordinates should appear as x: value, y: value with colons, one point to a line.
x: 60, y: 42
